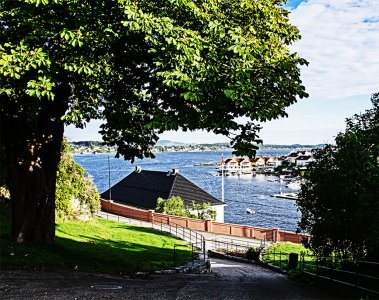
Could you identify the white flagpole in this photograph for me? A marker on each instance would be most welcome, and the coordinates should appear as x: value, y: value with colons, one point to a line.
x: 222, y: 178
x: 109, y: 179
x: 109, y: 182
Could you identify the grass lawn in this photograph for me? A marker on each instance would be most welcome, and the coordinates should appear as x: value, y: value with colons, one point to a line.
x: 288, y: 247
x: 278, y: 254
x: 96, y: 246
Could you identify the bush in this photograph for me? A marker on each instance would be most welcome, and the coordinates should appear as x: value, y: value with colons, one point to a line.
x: 176, y: 207
x: 75, y: 193
x: 253, y: 253
x: 172, y: 206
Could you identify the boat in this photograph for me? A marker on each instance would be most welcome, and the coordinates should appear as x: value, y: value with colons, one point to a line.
x: 291, y: 196
x: 294, y: 185
x: 286, y: 177
x: 272, y: 180
x: 250, y: 211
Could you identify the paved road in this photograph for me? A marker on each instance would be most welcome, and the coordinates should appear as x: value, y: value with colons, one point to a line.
x: 229, y: 280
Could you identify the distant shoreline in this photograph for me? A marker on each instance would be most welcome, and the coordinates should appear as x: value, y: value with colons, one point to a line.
x: 96, y: 147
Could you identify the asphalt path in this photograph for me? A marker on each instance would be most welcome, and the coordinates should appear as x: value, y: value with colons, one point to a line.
x: 228, y: 280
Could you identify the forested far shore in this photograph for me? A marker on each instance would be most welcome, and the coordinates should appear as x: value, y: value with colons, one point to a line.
x: 85, y: 147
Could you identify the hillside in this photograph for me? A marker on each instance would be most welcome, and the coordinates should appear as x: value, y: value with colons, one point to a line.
x: 100, y: 245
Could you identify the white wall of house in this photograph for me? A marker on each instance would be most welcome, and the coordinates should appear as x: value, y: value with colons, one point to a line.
x: 260, y: 162
x: 270, y: 162
x: 245, y: 166
x: 219, y: 212
x: 291, y: 159
x: 232, y: 165
x: 303, y: 163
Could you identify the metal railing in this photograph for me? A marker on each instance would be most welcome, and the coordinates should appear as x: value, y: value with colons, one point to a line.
x: 360, y: 275
x: 195, y: 239
x: 236, y: 248
x: 363, y: 276
x: 276, y: 258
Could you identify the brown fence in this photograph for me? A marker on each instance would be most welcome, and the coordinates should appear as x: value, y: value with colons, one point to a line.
x: 274, y: 234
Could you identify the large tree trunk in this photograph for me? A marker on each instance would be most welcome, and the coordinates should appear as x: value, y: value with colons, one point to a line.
x: 32, y: 140
x: 32, y: 189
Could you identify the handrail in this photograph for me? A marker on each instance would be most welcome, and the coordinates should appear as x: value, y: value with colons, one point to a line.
x: 362, y: 275
x: 252, y: 245
x: 342, y: 282
x: 235, y: 246
x: 194, y: 238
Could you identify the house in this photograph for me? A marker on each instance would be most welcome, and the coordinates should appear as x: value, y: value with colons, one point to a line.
x: 245, y: 166
x: 292, y: 157
x: 258, y: 162
x: 232, y: 165
x: 303, y: 160
x: 269, y: 161
x: 307, y: 152
x: 142, y: 188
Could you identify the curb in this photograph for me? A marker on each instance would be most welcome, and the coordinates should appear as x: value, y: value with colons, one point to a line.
x: 197, y: 266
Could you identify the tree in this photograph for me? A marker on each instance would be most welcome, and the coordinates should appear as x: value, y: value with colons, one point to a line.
x: 202, y: 211
x: 339, y: 201
x: 172, y: 206
x: 74, y: 185
x: 143, y: 67
x: 175, y: 206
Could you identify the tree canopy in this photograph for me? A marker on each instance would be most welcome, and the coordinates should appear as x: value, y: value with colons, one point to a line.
x: 172, y: 206
x: 339, y: 201
x: 143, y: 67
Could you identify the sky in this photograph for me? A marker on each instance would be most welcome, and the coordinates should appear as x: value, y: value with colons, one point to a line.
x: 340, y: 40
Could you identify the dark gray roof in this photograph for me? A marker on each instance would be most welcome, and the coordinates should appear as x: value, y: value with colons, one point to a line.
x: 304, y: 157
x: 142, y: 189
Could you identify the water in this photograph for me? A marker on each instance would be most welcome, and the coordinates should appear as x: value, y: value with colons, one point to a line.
x: 240, y: 192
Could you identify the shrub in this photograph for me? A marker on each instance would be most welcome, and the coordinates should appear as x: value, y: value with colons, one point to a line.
x: 175, y: 206
x: 172, y: 206
x: 253, y: 253
x: 75, y: 193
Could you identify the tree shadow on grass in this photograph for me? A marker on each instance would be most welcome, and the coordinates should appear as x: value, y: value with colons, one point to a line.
x: 118, y: 257
x: 97, y: 254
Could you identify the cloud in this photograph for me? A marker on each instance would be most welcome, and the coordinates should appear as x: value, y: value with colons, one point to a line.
x: 89, y: 133
x: 340, y: 39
